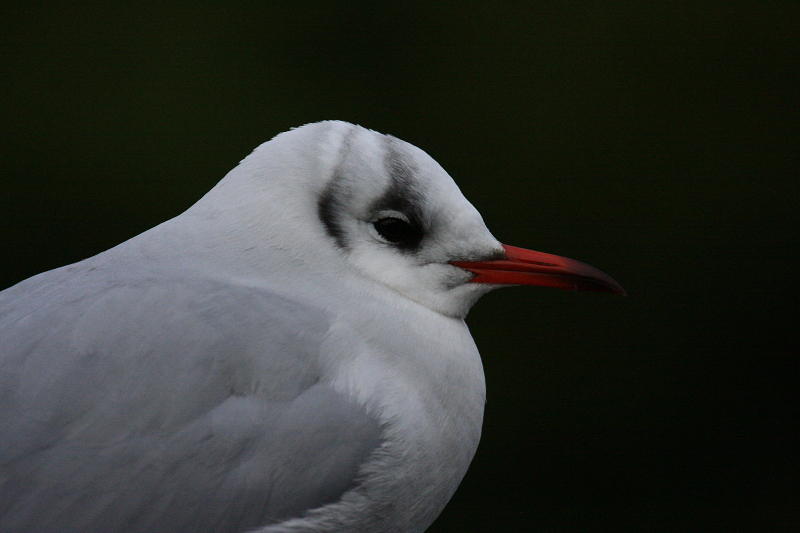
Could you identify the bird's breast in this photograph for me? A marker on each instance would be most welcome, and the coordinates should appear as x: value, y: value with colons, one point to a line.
x: 422, y: 377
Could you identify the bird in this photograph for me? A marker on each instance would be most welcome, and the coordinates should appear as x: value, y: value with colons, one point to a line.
x: 287, y: 355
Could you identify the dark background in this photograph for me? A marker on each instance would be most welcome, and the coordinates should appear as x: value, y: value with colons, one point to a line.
x: 656, y: 141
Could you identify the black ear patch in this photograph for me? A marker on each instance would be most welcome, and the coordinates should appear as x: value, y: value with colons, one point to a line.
x: 402, y: 196
x: 329, y: 205
x: 328, y: 209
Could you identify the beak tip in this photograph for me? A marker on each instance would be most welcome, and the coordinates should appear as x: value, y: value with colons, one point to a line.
x: 618, y: 289
x: 605, y: 284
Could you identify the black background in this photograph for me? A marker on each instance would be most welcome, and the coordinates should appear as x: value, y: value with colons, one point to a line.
x: 656, y: 141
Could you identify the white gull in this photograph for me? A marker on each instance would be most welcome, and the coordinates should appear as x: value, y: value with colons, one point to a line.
x: 288, y: 355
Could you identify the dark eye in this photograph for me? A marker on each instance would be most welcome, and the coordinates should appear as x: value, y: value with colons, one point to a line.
x: 399, y: 232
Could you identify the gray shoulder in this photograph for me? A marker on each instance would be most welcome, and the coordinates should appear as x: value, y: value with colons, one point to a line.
x: 148, y: 404
x: 83, y: 337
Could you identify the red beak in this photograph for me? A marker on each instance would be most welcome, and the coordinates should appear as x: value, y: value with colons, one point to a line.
x: 526, y: 267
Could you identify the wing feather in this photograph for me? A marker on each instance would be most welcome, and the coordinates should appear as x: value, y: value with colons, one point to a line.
x: 179, y: 404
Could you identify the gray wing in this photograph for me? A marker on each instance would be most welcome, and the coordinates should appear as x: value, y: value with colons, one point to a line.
x: 184, y: 405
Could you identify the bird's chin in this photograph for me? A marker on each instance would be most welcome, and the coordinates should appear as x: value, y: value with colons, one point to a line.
x: 455, y: 301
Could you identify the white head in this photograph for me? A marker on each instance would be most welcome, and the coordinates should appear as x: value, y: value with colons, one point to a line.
x: 335, y: 195
x: 398, y: 218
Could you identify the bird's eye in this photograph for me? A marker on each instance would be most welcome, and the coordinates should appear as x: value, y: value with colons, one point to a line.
x: 398, y: 231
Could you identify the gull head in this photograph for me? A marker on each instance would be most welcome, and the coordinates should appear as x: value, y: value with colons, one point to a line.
x: 348, y: 201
